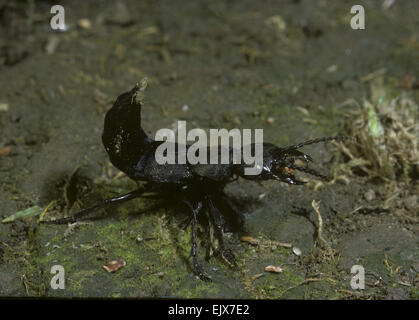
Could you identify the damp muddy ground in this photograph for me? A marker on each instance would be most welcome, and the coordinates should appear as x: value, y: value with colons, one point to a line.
x: 289, y: 67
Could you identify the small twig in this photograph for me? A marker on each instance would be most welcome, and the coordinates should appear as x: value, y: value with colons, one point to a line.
x: 45, y: 211
x: 315, y: 206
x: 26, y: 283
x: 345, y: 150
x: 271, y: 243
x: 404, y: 283
x: 373, y: 75
x: 390, y: 199
x: 309, y: 280
x: 356, y: 210
x: 265, y: 243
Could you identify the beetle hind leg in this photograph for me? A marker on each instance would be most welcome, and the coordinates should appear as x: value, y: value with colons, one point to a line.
x: 87, y: 211
x: 219, y: 223
x: 194, y: 250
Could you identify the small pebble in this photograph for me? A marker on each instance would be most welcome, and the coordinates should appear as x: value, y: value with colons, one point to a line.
x: 297, y: 251
x: 332, y: 68
x: 270, y: 120
x: 369, y: 195
x: 4, y: 107
x: 84, y: 24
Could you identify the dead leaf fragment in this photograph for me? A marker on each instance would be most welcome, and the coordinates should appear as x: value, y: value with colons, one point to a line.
x: 4, y: 152
x: 273, y: 269
x: 29, y: 212
x: 257, y: 276
x: 249, y: 240
x: 114, y: 265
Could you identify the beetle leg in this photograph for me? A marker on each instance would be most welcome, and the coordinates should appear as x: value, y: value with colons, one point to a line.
x: 194, y: 251
x: 129, y: 196
x: 235, y: 217
x: 226, y: 253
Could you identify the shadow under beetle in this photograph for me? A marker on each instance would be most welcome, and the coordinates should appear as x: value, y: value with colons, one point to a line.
x: 198, y: 186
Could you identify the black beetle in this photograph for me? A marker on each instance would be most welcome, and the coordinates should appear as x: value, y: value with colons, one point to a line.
x: 198, y: 186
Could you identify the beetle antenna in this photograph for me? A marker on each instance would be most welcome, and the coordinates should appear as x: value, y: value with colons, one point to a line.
x: 311, y: 171
x: 317, y: 140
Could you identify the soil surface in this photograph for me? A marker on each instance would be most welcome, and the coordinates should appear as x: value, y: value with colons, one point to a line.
x: 285, y: 66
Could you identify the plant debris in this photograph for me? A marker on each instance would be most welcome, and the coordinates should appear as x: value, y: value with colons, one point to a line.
x: 387, y: 134
x: 45, y: 210
x: 250, y: 240
x: 277, y: 23
x: 273, y: 269
x: 257, y: 276
x: 4, y: 152
x: 28, y: 212
x: 328, y: 249
x: 114, y: 265
x: 265, y: 243
x: 315, y: 206
x: 51, y: 45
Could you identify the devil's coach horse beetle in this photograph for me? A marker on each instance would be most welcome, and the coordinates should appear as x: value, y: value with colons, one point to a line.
x: 197, y: 186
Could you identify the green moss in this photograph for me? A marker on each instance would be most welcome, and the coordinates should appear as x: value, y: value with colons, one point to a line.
x: 414, y: 293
